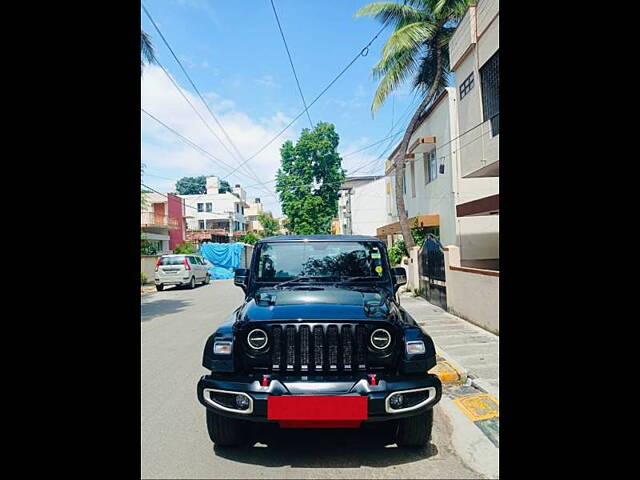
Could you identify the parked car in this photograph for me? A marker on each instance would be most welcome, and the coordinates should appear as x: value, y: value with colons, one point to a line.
x: 181, y: 269
x: 320, y: 341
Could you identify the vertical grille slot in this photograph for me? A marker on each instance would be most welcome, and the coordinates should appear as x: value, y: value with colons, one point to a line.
x: 346, y: 347
x: 332, y: 343
x: 318, y: 347
x: 361, y: 347
x: 304, y: 348
x: 291, y: 347
x: 276, y: 355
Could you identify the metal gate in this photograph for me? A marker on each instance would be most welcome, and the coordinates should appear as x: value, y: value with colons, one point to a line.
x: 432, y: 276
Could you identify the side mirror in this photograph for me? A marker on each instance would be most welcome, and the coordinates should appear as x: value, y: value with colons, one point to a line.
x: 240, y: 278
x: 399, y: 276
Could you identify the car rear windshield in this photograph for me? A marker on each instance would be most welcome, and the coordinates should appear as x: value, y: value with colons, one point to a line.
x: 282, y: 261
x: 171, y: 260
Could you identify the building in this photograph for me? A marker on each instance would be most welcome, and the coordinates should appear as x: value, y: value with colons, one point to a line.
x: 361, y: 206
x: 214, y: 216
x: 474, y: 58
x: 162, y: 221
x: 433, y: 187
x: 251, y: 215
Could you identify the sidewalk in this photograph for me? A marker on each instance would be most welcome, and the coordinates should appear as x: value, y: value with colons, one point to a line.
x: 472, y: 348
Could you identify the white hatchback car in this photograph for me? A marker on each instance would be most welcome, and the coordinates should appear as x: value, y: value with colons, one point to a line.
x: 181, y: 269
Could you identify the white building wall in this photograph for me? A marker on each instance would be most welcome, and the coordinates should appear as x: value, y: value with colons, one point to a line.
x: 222, y: 203
x: 368, y: 207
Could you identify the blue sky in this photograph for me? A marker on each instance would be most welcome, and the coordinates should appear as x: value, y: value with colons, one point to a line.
x: 235, y: 55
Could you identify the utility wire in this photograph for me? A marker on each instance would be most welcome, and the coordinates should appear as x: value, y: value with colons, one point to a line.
x: 363, y: 53
x: 201, y: 150
x: 196, y: 89
x: 295, y: 75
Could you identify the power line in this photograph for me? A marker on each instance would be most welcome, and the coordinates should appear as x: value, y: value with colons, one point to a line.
x: 295, y: 75
x: 199, y: 148
x: 197, y: 90
x: 363, y: 53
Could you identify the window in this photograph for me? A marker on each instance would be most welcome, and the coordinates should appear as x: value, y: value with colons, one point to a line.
x: 209, y: 207
x: 201, y: 224
x: 192, y: 260
x: 490, y: 81
x: 243, y: 210
x: 430, y: 165
x: 413, y: 179
x: 201, y: 207
x: 466, y: 86
x: 404, y: 183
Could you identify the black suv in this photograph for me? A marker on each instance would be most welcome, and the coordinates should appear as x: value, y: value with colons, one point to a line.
x: 320, y: 341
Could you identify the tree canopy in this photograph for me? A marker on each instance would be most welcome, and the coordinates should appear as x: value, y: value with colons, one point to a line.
x: 198, y: 185
x: 270, y: 225
x: 309, y: 178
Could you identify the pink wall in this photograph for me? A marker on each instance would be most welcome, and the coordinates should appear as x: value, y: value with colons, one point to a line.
x: 175, y: 210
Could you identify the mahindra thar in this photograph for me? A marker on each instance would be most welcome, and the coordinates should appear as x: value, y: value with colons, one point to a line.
x: 320, y: 341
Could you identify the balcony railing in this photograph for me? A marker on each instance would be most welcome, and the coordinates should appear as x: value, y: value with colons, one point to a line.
x: 150, y: 219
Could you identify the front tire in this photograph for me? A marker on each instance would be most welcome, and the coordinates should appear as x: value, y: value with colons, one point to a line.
x: 226, y: 432
x: 415, y: 431
x: 159, y: 287
x: 207, y: 279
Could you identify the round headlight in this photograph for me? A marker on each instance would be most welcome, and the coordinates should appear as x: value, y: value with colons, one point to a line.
x: 380, y: 339
x: 257, y: 339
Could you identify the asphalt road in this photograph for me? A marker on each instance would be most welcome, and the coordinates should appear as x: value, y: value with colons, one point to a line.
x: 175, y: 324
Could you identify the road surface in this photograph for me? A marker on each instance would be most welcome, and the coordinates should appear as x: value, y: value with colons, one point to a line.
x: 175, y: 324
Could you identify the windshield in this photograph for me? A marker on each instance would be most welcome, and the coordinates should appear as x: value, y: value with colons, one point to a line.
x: 335, y: 261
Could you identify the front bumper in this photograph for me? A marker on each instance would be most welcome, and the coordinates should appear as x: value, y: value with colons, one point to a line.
x: 377, y: 408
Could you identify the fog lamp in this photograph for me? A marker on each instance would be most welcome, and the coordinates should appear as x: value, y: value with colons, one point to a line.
x: 415, y: 347
x: 396, y: 401
x: 242, y: 402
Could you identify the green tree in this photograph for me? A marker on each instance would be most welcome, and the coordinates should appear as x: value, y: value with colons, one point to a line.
x: 269, y: 225
x: 250, y: 238
x: 418, y: 49
x: 146, y: 50
x: 309, y: 178
x: 198, y: 185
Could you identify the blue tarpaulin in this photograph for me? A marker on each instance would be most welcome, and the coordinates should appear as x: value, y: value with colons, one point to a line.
x: 225, y: 258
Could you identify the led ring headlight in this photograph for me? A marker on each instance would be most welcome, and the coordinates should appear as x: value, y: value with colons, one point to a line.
x: 380, y: 339
x: 257, y: 339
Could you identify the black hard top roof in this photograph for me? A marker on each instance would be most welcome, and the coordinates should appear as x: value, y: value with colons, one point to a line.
x: 323, y: 238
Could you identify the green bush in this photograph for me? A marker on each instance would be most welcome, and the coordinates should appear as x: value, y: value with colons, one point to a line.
x: 184, y: 248
x: 250, y: 238
x: 143, y: 278
x: 397, y: 251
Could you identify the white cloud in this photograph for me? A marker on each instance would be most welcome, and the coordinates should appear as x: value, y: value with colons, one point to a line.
x: 267, y: 81
x: 162, y: 150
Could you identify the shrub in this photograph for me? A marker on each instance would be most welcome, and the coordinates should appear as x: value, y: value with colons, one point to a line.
x: 143, y: 278
x: 184, y: 248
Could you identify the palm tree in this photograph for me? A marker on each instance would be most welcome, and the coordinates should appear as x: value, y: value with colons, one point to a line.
x: 418, y: 49
x: 146, y: 50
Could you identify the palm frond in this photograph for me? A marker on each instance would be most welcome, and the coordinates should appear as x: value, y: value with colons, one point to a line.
x: 393, y: 73
x: 146, y: 47
x: 391, y: 12
x: 413, y: 36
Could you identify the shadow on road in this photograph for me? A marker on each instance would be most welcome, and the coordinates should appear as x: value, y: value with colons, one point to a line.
x: 158, y: 308
x: 325, y: 449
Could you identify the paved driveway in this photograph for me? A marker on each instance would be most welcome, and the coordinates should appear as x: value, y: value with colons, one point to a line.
x: 175, y: 324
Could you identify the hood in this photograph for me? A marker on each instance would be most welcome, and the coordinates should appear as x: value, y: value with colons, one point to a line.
x: 315, y: 303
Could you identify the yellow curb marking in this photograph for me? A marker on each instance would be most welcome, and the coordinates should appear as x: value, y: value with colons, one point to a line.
x: 482, y: 406
x: 446, y: 373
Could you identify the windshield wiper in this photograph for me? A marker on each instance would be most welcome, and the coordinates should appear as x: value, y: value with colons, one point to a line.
x: 296, y: 279
x: 353, y: 279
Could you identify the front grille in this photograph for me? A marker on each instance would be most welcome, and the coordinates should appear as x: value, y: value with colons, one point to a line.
x: 317, y: 348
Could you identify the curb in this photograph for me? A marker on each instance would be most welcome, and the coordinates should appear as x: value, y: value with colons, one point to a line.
x: 448, y: 371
